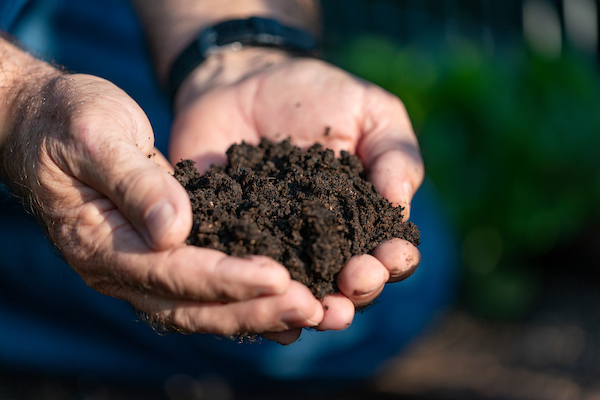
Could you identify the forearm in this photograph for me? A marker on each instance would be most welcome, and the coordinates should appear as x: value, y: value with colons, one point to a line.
x: 171, y: 25
x: 12, y: 62
x: 24, y: 82
x: 20, y: 76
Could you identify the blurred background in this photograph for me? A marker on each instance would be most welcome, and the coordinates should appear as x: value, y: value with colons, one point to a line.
x: 504, y: 97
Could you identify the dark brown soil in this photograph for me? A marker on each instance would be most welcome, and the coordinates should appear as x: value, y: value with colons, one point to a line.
x: 306, y: 209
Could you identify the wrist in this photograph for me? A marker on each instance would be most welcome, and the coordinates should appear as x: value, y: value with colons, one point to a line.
x: 170, y: 25
x: 235, y: 35
x: 21, y: 77
x: 227, y: 68
x: 28, y: 108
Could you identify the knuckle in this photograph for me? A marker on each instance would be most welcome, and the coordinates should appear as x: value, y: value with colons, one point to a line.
x: 205, y: 319
x: 137, y: 182
x: 181, y: 317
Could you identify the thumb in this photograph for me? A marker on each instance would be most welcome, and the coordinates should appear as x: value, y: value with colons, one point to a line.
x: 115, y: 154
x: 150, y: 198
x: 164, y: 218
x: 397, y: 176
x: 390, y: 151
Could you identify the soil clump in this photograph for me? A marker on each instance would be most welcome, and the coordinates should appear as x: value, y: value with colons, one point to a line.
x: 306, y: 209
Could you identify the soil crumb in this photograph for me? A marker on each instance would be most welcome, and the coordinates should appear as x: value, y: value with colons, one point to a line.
x: 306, y: 209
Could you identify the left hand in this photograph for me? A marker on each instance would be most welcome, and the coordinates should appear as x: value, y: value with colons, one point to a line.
x: 243, y: 97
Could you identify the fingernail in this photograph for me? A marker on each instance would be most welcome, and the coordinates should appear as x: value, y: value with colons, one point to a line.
x: 397, y: 272
x: 296, y: 319
x: 405, y: 263
x: 158, y: 220
x: 360, y: 293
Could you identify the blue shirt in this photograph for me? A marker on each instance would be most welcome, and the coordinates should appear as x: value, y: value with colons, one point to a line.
x: 9, y: 11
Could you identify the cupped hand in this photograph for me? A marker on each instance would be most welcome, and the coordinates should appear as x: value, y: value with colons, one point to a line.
x: 84, y: 157
x: 309, y: 101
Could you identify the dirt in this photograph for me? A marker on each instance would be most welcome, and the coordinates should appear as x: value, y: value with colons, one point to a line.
x: 306, y: 209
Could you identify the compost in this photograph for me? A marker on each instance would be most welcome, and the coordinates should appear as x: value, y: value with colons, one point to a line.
x: 306, y: 209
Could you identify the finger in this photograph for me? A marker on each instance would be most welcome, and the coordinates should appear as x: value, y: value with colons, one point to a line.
x: 400, y: 257
x: 160, y: 160
x: 209, y: 275
x: 285, y: 337
x: 101, y: 235
x: 152, y: 199
x: 339, y: 313
x: 396, y: 177
x: 296, y: 308
x: 362, y: 279
x: 390, y: 150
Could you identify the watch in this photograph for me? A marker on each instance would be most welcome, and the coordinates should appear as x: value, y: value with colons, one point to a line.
x: 235, y: 34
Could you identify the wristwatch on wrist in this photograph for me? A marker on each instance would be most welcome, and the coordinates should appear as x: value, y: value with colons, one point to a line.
x: 235, y: 34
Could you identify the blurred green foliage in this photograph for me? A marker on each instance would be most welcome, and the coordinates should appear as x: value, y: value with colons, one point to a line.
x: 512, y: 143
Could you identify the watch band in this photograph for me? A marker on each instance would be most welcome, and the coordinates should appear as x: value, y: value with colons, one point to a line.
x: 235, y: 34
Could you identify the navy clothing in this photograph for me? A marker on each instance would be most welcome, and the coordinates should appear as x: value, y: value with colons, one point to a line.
x: 9, y: 12
x: 51, y: 321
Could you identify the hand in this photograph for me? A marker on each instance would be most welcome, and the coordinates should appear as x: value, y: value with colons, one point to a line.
x: 82, y: 152
x: 258, y: 93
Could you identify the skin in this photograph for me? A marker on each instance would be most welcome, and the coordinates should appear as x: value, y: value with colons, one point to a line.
x: 96, y: 188
x: 80, y: 152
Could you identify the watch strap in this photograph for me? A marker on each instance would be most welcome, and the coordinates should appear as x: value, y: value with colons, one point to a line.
x: 235, y: 34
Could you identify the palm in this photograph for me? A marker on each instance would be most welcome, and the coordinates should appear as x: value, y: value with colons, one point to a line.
x: 310, y: 107
x: 310, y: 101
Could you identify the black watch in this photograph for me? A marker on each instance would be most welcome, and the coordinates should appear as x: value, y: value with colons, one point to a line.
x: 235, y: 34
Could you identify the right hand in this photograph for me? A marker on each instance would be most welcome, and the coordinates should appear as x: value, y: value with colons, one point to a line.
x: 254, y: 93
x: 82, y: 153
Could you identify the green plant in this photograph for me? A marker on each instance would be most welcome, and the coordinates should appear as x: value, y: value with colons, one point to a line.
x: 511, y: 142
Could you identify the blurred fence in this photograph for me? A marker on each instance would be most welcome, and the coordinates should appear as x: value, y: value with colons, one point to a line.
x: 549, y: 25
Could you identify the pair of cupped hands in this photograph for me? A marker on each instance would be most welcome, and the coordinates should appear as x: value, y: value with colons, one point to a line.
x: 119, y: 217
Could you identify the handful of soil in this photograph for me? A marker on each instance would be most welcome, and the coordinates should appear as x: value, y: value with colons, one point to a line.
x: 306, y: 209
